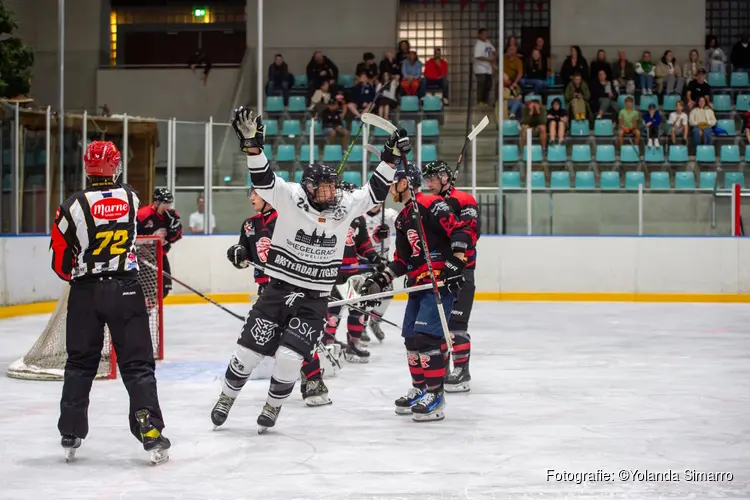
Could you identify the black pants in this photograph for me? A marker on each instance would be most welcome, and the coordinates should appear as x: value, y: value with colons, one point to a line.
x: 288, y: 315
x: 118, y: 303
x: 166, y: 282
x: 459, y: 318
x: 484, y: 88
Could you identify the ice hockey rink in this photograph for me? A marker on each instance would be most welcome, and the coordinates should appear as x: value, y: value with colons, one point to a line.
x: 578, y: 388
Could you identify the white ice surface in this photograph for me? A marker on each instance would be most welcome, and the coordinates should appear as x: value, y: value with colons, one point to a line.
x: 573, y: 387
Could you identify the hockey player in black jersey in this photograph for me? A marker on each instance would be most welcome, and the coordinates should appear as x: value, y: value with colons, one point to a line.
x: 304, y: 258
x: 93, y: 248
x: 160, y: 219
x: 447, y: 241
x: 439, y: 180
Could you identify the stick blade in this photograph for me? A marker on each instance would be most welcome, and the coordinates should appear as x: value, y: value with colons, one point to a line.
x: 373, y: 150
x: 480, y: 126
x: 379, y: 122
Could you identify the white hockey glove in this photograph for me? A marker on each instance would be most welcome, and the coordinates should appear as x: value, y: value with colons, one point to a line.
x: 249, y: 129
x: 237, y: 255
x: 396, y: 147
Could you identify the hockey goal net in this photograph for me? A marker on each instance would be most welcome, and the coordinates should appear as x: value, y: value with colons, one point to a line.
x: 46, y: 358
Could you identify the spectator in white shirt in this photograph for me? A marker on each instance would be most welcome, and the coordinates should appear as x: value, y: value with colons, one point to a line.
x: 485, y: 56
x: 678, y: 123
x: 197, y: 219
x: 703, y: 120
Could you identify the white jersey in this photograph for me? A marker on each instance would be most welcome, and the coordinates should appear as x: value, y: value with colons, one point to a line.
x: 373, y: 222
x: 307, y: 245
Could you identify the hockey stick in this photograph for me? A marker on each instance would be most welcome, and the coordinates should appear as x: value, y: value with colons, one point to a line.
x: 379, y: 122
x: 359, y: 130
x: 381, y: 295
x: 470, y: 137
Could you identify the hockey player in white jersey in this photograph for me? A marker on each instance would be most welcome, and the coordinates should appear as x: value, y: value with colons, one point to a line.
x: 303, y: 261
x: 380, y: 224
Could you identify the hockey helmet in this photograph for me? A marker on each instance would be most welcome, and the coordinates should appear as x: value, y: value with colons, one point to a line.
x: 411, y: 173
x: 163, y: 195
x: 314, y: 178
x: 102, y: 159
x: 435, y: 168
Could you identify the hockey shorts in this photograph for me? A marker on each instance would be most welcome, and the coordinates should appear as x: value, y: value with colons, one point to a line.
x: 422, y: 316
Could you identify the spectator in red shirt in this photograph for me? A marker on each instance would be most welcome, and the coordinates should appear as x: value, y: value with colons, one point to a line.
x: 436, y: 74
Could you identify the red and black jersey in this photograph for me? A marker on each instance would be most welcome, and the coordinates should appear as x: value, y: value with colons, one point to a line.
x: 94, y: 234
x: 358, y: 245
x: 465, y: 207
x: 445, y: 235
x: 150, y: 222
x: 255, y: 236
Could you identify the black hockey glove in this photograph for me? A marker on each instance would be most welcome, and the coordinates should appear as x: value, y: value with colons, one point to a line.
x: 174, y: 223
x: 377, y: 262
x: 375, y: 283
x: 237, y: 255
x: 249, y: 129
x: 382, y: 232
x: 453, y: 274
x: 396, y: 147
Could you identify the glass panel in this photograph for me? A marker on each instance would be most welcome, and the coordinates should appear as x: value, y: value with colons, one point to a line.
x: 229, y: 165
x: 691, y: 213
x: 6, y: 169
x: 161, y: 145
x: 600, y: 213
x: 186, y: 203
x: 190, y: 148
x: 230, y: 207
x: 32, y: 167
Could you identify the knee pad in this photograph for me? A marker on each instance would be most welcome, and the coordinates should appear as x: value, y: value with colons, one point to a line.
x: 424, y: 342
x: 244, y: 360
x: 287, y: 365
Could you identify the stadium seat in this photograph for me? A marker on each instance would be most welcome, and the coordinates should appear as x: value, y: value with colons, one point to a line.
x: 536, y: 153
x: 285, y: 153
x: 283, y: 174
x: 355, y: 156
x: 684, y: 180
x: 634, y: 179
x: 511, y: 180
x: 510, y: 128
x: 409, y: 104
x: 722, y: 103
x: 332, y: 153
x: 585, y: 180
x: 556, y: 153
x: 727, y: 125
x: 274, y: 104
x: 605, y: 153
x: 298, y: 175
x: 537, y: 180
x: 609, y: 180
x: 731, y: 178
x: 660, y: 180
x: 291, y: 128
x: 318, y: 131
x: 346, y: 80
x: 297, y: 104
x: 670, y: 102
x: 429, y: 153
x: 304, y: 154
x: 581, y: 153
x: 410, y: 126
x: 269, y: 153
x: 353, y: 178
x: 579, y: 128
x: 372, y: 156
x: 559, y: 180
x: 648, y: 99
x: 743, y: 102
x: 630, y: 154
x: 603, y: 128
x: 621, y: 100
x: 729, y: 153
x: 654, y: 155
x: 552, y: 97
x: 678, y: 153
x: 432, y: 103
x: 739, y: 79
x: 378, y: 132
x: 510, y: 153
x: 707, y: 180
x: 717, y: 79
x: 355, y: 126
x: 705, y: 154
x: 529, y: 97
x: 300, y: 81
x: 272, y: 128
x: 430, y: 128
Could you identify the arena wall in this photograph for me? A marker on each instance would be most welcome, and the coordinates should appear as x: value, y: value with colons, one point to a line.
x: 511, y: 268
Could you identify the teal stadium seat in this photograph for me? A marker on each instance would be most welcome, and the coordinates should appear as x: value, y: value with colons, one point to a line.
x: 654, y: 155
x: 739, y: 79
x: 743, y: 102
x: 285, y: 153
x: 678, y: 153
x: 409, y: 104
x: 269, y: 154
x: 585, y: 180
x: 603, y: 128
x: 537, y: 180
x: 556, y: 153
x: 272, y: 128
x: 346, y: 80
x: 684, y: 180
x: 410, y: 126
x: 353, y: 178
x: 429, y: 153
x: 274, y: 104
x: 722, y: 103
x: 581, y: 153
x: 300, y: 81
x: 552, y: 97
x: 304, y: 154
x: 510, y: 153
x: 432, y: 103
x: 629, y: 154
x: 579, y: 128
x: 727, y: 125
x: 332, y: 153
x: 670, y: 102
x: 291, y: 128
x: 297, y: 104
x: 648, y: 99
x: 430, y: 128
x: 732, y: 178
x: 660, y: 180
x: 634, y: 179
x: 717, y: 79
x: 559, y: 180
x: 355, y: 126
x: 621, y: 100
x: 372, y: 156
x: 355, y: 155
x: 284, y: 174
x: 707, y: 180
x: 318, y: 131
x: 605, y: 153
x: 729, y: 153
x: 511, y: 180
x: 609, y: 180
x: 747, y: 155
x: 536, y: 153
x: 529, y: 97
x: 705, y: 154
x: 510, y: 128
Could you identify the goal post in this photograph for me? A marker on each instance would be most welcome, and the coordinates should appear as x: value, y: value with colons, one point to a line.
x: 46, y: 358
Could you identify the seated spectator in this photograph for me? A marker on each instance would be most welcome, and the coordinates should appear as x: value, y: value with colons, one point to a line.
x: 513, y: 65
x: 363, y: 96
x: 389, y: 64
x: 556, y: 121
x: 600, y: 64
x: 512, y: 96
x: 436, y: 74
x: 512, y: 42
x: 321, y: 69
x: 577, y: 96
x: 574, y: 63
x: 668, y: 70
x: 740, y: 56
x: 542, y: 48
x: 404, y: 47
x: 534, y: 119
x: 698, y: 88
x: 678, y: 123
x: 411, y: 74
x: 652, y: 122
x: 629, y: 120
x: 535, y: 71
x: 388, y: 98
x: 702, y: 121
x: 279, y: 77
x: 715, y: 57
x: 746, y: 125
x: 646, y: 72
x: 623, y: 73
x: 332, y: 121
x: 603, y: 95
x: 691, y: 68
x: 197, y: 218
x: 368, y: 66
x: 320, y: 98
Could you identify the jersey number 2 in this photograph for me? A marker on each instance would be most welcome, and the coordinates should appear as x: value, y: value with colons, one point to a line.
x: 107, y: 237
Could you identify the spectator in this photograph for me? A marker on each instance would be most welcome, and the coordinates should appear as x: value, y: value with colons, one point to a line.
x: 542, y: 48
x: 698, y: 88
x: 404, y: 47
x: 692, y: 67
x: 513, y: 65
x: 363, y: 96
x: 678, y: 123
x: 534, y: 119
x: 388, y: 97
x: 321, y: 69
x: 484, y: 61
x: 320, y: 98
x: 197, y: 218
x: 702, y: 121
x: 332, y: 121
x: 535, y: 71
x: 512, y: 97
x: 740, y: 56
x: 577, y: 96
x: 600, y: 64
x: 629, y: 119
x: 574, y: 63
x: 646, y: 72
x: 411, y: 74
x: 436, y: 74
x: 512, y: 42
x: 603, y: 95
x: 667, y: 70
x: 368, y: 66
x: 556, y: 121
x: 200, y: 59
x: 746, y: 125
x: 652, y: 122
x: 279, y: 77
x: 623, y: 73
x: 715, y: 56
x: 389, y: 64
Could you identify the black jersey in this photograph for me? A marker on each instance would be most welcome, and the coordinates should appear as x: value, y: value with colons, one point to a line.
x: 94, y: 234
x: 150, y: 222
x: 358, y: 244
x: 464, y: 206
x: 255, y: 236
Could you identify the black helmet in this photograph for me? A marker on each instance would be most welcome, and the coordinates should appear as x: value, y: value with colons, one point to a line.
x: 163, y: 195
x: 411, y: 173
x: 435, y: 168
x: 312, y: 177
x: 348, y: 186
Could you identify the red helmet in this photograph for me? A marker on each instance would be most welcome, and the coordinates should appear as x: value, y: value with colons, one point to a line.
x: 102, y: 159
